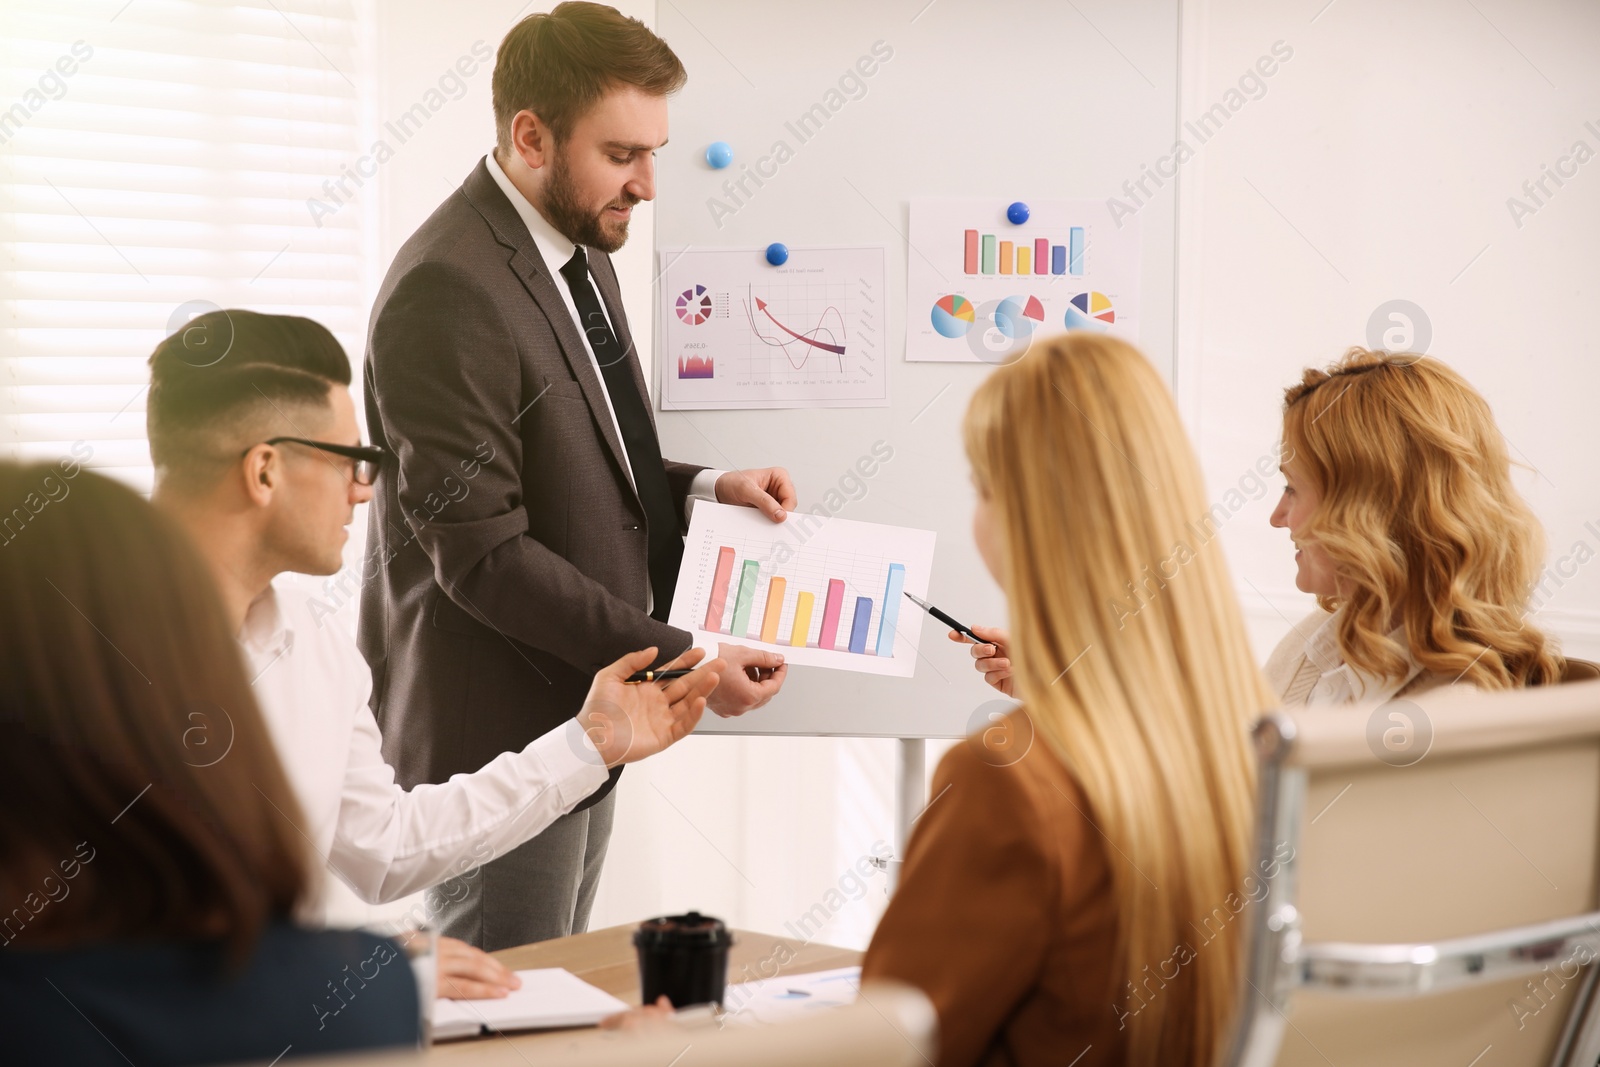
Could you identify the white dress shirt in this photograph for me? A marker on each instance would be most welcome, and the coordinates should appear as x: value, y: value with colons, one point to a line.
x: 384, y: 842
x: 557, y: 248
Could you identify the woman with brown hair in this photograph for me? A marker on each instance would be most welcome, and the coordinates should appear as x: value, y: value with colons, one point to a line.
x: 1068, y: 895
x: 150, y: 861
x: 1419, y: 549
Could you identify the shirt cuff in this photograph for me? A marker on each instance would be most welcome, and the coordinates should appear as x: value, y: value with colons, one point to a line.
x: 575, y: 766
x: 704, y: 486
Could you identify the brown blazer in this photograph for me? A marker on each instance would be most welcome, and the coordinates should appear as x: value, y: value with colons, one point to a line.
x: 1004, y: 914
x: 507, y: 549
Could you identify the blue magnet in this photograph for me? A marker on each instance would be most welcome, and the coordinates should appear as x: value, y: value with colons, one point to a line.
x: 777, y: 254
x: 1017, y: 213
x: 720, y: 154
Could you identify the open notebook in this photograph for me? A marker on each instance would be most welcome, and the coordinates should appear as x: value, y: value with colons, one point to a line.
x: 550, y: 997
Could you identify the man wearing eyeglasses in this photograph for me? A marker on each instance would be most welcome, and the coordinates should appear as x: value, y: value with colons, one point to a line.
x: 258, y: 456
x: 366, y: 461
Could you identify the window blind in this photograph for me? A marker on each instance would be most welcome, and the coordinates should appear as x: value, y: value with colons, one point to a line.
x: 156, y: 159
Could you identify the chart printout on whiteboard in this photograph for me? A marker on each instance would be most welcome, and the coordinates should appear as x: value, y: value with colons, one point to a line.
x: 980, y: 288
x: 823, y: 592
x: 738, y: 332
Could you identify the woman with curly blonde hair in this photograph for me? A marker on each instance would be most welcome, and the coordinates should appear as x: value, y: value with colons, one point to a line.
x: 1421, y: 553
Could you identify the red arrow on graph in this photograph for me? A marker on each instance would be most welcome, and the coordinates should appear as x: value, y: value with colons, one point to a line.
x: 838, y: 350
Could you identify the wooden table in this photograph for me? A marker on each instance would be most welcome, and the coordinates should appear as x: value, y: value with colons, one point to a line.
x: 606, y: 958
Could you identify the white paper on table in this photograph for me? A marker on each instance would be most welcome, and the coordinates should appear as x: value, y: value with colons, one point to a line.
x: 807, y: 553
x: 550, y: 997
x: 954, y: 316
x: 784, y: 997
x: 738, y: 332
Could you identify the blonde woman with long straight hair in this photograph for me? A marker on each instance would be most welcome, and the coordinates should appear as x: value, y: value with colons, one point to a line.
x: 1073, y: 887
x: 1420, y: 551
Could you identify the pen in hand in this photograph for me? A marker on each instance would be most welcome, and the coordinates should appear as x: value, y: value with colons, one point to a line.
x: 655, y: 676
x: 947, y: 620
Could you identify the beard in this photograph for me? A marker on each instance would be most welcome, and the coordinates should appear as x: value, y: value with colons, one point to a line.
x: 565, y: 210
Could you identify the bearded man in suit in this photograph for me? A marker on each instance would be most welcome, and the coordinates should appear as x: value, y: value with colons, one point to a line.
x: 532, y: 531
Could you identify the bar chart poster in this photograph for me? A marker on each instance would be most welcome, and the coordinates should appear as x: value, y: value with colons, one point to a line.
x: 980, y: 288
x: 737, y: 332
x: 824, y: 592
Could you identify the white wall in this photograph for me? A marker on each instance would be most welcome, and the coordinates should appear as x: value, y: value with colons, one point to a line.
x: 1377, y: 166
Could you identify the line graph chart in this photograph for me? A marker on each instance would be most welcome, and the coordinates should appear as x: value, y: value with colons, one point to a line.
x: 807, y: 334
x: 822, y: 336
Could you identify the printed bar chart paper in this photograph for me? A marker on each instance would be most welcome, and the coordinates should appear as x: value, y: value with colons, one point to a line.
x: 823, y: 592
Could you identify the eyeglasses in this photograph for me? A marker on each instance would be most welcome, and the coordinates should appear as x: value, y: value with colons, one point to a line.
x: 368, y: 458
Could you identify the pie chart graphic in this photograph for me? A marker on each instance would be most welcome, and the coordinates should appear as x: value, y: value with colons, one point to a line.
x: 1015, y: 316
x: 1090, y: 311
x: 694, y: 305
x: 952, y: 316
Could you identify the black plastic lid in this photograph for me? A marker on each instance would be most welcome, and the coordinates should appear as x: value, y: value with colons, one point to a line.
x: 692, y: 930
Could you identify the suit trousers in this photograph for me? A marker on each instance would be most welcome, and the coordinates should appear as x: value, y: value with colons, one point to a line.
x: 539, y: 890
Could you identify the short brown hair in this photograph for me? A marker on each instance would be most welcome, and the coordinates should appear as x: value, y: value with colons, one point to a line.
x: 143, y: 796
x: 223, y: 372
x: 558, y: 65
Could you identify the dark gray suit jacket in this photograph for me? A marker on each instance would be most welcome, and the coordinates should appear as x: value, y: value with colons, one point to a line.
x: 507, y: 554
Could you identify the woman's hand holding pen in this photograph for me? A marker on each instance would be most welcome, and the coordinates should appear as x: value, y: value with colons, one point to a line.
x: 992, y: 659
x: 627, y: 722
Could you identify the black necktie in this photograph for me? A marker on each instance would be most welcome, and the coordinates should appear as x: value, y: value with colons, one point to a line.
x: 638, y: 436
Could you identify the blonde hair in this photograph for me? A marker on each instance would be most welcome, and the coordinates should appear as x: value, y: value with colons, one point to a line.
x: 1080, y: 451
x: 1420, y: 519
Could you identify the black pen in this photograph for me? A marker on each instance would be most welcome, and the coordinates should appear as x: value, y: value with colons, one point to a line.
x: 656, y: 676
x: 947, y: 620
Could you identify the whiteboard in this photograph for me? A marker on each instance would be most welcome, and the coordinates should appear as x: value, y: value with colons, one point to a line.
x: 1009, y: 100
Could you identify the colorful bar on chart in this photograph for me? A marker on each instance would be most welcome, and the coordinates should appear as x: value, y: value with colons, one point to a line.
x: 858, y: 629
x: 719, y: 589
x: 829, y: 637
x: 802, y: 619
x: 891, y: 608
x: 799, y: 629
x: 745, y: 597
x: 769, y: 621
x: 986, y: 254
